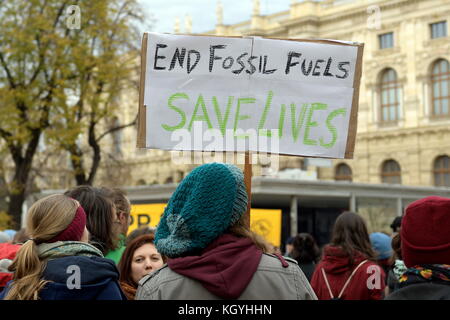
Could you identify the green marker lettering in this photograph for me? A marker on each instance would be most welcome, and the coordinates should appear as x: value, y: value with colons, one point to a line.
x: 332, y: 129
x: 281, y: 120
x: 296, y: 128
x: 222, y: 122
x: 262, y: 121
x: 238, y: 116
x: 181, y: 112
x: 309, y: 124
x: 204, y: 117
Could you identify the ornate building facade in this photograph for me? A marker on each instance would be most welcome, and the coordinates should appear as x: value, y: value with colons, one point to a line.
x: 403, y: 136
x: 403, y: 132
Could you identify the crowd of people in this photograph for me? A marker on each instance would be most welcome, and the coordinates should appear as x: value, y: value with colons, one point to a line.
x: 76, y: 245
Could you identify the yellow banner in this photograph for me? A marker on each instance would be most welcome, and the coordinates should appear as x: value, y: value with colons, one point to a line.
x: 265, y: 222
x: 146, y: 215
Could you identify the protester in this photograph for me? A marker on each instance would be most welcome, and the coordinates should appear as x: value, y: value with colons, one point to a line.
x: 212, y: 253
x: 347, y: 263
x: 139, y: 259
x: 8, y: 252
x: 57, y: 259
x: 381, y: 245
x: 4, y: 237
x: 139, y: 232
x: 289, y: 246
x: 101, y: 215
x: 11, y: 233
x: 21, y: 236
x: 397, y: 265
x: 306, y: 252
x: 425, y: 248
x: 122, y: 221
x: 396, y: 225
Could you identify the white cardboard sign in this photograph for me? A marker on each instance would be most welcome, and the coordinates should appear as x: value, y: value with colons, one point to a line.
x: 254, y: 94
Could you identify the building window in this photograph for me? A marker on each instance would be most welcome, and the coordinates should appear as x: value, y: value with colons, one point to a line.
x: 440, y: 88
x: 442, y: 171
x: 386, y: 40
x: 390, y: 172
x: 438, y: 30
x: 168, y: 180
x: 343, y: 173
x: 389, y: 96
x: 141, y: 182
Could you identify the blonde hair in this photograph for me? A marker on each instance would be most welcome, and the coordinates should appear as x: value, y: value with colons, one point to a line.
x: 45, y: 219
x: 242, y: 230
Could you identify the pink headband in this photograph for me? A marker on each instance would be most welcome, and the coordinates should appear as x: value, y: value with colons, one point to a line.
x: 75, y: 230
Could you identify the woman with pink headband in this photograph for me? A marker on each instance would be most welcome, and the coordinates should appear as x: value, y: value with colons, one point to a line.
x: 57, y: 263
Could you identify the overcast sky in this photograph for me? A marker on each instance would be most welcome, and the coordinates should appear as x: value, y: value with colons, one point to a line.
x: 203, y: 12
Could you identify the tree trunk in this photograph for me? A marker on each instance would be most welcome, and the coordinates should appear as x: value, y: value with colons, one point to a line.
x: 17, y: 188
x: 16, y: 201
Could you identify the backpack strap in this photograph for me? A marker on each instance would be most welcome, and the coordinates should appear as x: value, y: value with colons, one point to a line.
x: 327, y: 284
x: 350, y: 278
x: 346, y: 282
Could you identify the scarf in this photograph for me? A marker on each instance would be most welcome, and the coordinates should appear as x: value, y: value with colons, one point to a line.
x: 61, y: 249
x: 129, y: 290
x: 399, y: 268
x: 435, y: 273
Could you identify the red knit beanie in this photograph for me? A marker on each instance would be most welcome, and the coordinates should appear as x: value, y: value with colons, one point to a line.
x: 74, y: 230
x: 425, y: 232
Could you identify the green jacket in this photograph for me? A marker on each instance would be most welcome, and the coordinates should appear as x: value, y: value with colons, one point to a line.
x: 116, y: 254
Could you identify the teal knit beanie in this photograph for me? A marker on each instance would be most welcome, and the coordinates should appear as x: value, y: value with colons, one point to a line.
x: 208, y: 201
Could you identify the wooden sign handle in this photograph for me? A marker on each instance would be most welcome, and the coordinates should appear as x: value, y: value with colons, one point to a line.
x: 248, y: 185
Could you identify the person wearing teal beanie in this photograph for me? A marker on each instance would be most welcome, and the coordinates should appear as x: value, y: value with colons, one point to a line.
x: 213, y: 198
x: 212, y: 254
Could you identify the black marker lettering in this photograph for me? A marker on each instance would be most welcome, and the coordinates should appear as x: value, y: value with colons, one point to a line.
x: 289, y: 61
x: 178, y: 57
x: 239, y: 60
x: 158, y: 46
x: 264, y: 68
x: 317, y: 73
x: 340, y: 67
x: 213, y: 57
x: 230, y: 63
x: 327, y: 69
x: 253, y: 68
x: 306, y: 72
x: 189, y: 67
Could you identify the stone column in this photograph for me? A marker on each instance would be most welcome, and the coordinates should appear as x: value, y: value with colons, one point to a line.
x: 294, y: 216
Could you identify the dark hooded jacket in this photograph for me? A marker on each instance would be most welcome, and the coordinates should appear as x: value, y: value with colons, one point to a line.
x: 424, y: 282
x: 229, y: 268
x: 368, y: 282
x: 98, y: 279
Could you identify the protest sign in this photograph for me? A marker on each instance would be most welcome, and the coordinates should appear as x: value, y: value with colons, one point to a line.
x: 292, y: 97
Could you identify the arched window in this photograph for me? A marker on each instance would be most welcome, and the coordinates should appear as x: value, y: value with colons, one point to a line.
x: 441, y: 170
x: 168, y: 180
x: 440, y: 88
x: 343, y: 173
x: 389, y: 96
x: 390, y: 172
x: 141, y: 182
x: 180, y: 175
